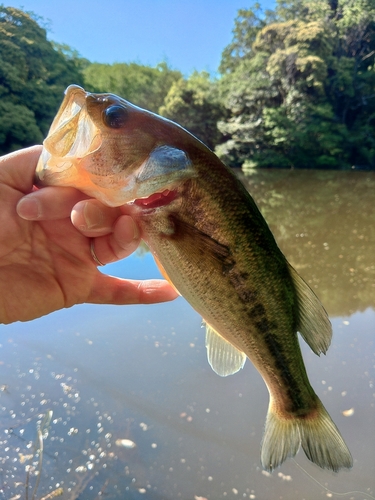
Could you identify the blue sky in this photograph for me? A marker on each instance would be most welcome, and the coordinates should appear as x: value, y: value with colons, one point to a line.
x: 189, y: 35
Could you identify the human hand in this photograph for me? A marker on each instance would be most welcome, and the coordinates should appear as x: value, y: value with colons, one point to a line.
x: 45, y: 258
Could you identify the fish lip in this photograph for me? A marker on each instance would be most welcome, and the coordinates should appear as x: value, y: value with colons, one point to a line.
x: 73, y: 135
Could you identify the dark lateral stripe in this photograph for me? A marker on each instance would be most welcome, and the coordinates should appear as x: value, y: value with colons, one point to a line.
x: 282, y: 364
x: 256, y: 313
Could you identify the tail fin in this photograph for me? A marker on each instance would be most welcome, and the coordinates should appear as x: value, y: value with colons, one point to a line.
x: 323, y: 443
x: 281, y: 440
x: 319, y: 436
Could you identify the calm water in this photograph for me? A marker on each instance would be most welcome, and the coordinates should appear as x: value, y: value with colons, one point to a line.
x: 138, y: 375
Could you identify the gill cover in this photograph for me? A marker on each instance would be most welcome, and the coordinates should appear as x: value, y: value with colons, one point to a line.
x: 164, y: 166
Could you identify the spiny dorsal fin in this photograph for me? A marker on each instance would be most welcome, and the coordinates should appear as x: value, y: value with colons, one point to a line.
x: 313, y: 323
x: 224, y: 358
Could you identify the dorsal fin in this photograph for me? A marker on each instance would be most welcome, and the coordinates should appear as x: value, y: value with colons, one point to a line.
x: 224, y: 358
x: 313, y: 323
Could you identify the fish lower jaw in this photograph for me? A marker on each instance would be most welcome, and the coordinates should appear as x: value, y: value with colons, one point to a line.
x: 157, y: 200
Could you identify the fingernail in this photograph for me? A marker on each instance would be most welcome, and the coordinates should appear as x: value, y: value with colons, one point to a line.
x: 28, y: 208
x: 93, y: 216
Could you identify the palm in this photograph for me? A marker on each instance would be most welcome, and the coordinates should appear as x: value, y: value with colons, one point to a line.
x: 46, y: 265
x: 52, y: 257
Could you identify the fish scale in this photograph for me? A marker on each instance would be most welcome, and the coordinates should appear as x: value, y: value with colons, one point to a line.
x: 279, y: 362
x: 210, y: 240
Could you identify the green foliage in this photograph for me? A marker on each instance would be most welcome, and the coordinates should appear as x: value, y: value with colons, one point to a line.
x: 18, y: 126
x: 142, y: 85
x: 247, y: 25
x: 33, y: 77
x: 299, y: 84
x: 194, y: 104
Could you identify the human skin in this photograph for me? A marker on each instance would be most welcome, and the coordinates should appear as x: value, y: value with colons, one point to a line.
x: 45, y: 258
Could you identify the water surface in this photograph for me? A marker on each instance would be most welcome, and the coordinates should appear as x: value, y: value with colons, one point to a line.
x: 137, y: 411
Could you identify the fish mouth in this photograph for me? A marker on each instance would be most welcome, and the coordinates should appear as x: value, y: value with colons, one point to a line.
x: 73, y: 136
x: 157, y: 200
x: 117, y: 165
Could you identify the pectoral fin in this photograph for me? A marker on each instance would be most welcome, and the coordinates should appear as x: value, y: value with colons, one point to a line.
x: 224, y: 358
x: 197, y: 243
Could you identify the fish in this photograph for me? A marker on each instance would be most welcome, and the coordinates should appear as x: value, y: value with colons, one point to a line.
x: 212, y: 243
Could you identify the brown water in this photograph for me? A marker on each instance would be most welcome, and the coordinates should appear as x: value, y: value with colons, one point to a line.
x: 140, y: 374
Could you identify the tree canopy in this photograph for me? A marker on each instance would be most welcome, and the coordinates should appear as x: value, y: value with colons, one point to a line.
x: 195, y: 104
x: 299, y: 85
x: 296, y: 86
x: 144, y: 86
x: 33, y: 77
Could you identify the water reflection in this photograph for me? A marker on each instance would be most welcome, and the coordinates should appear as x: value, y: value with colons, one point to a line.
x: 325, y: 223
x: 119, y: 375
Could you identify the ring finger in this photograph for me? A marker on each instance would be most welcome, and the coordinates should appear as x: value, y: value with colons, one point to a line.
x: 118, y: 244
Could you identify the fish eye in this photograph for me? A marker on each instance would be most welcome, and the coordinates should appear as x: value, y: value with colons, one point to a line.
x: 115, y: 116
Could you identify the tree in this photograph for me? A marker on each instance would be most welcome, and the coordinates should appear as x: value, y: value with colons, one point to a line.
x: 33, y: 77
x: 142, y: 85
x: 247, y: 25
x: 194, y: 103
x: 300, y: 88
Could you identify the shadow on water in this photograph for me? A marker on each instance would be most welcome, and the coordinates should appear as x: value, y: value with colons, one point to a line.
x: 137, y: 411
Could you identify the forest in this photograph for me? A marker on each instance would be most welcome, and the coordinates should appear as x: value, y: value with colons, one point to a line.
x: 295, y: 87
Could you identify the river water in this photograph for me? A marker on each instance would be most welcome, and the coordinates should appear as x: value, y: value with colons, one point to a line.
x: 137, y: 412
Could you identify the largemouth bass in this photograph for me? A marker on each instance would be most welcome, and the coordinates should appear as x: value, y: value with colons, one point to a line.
x: 211, y: 241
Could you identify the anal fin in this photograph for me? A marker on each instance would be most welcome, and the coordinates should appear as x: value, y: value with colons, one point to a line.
x: 224, y: 358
